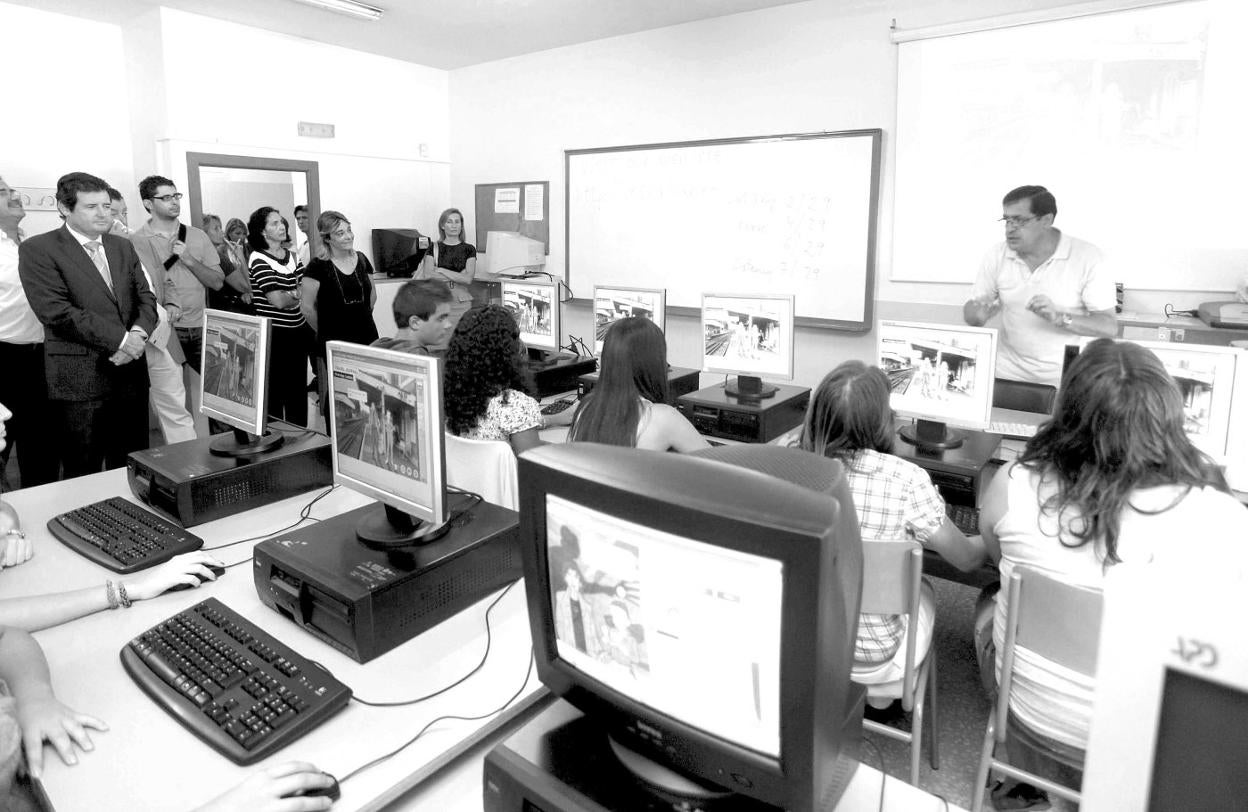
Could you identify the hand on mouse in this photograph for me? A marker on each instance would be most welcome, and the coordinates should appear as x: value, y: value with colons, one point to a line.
x: 188, y: 569
x: 267, y: 791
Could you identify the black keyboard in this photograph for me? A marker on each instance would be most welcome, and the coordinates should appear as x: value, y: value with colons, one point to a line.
x: 964, y: 517
x: 122, y: 536
x: 557, y: 406
x: 231, y: 683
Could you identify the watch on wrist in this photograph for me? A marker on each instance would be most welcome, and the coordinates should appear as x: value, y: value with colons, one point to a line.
x: 1065, y: 320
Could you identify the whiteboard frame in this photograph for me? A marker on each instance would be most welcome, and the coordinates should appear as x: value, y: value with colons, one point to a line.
x: 846, y: 325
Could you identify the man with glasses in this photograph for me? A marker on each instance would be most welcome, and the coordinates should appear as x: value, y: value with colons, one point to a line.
x: 1048, y: 287
x: 186, y: 256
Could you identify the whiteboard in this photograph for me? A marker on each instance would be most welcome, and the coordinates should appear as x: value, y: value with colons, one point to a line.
x: 792, y: 214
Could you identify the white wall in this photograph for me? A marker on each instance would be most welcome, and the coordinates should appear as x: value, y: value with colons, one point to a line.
x: 46, y: 132
x: 821, y: 65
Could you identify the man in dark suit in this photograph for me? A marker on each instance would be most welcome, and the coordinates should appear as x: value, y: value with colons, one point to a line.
x: 87, y: 288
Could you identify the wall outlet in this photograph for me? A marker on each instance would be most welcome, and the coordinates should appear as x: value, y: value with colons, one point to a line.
x: 1177, y: 335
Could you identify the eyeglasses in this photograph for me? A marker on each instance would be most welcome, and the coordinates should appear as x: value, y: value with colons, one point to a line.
x: 167, y: 198
x: 1017, y: 220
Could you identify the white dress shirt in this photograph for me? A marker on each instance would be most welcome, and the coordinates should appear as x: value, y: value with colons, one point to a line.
x: 18, y: 323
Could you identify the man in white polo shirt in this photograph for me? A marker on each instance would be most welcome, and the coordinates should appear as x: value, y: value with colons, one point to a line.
x: 1048, y: 287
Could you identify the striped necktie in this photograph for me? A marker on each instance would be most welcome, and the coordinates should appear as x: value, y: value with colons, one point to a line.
x: 96, y: 250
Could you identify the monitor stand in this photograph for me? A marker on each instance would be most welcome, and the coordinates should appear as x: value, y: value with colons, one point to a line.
x: 386, y: 527
x: 665, y: 782
x: 749, y: 388
x: 931, y: 435
x: 242, y: 444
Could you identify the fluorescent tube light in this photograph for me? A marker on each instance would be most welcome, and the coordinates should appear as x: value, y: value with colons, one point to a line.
x: 352, y: 7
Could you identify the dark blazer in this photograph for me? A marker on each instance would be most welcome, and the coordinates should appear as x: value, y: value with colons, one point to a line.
x: 83, y: 322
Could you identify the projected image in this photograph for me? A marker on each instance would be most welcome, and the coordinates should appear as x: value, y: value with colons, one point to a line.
x: 612, y: 304
x: 377, y: 418
x: 679, y: 625
x: 938, y: 372
x: 531, y: 305
x: 230, y: 361
x: 750, y: 335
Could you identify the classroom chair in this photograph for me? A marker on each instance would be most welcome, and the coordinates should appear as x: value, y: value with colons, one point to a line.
x: 1022, y: 396
x: 892, y: 576
x: 485, y: 467
x: 1063, y: 624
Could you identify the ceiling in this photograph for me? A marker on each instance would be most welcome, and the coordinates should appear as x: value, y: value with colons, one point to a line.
x: 443, y: 34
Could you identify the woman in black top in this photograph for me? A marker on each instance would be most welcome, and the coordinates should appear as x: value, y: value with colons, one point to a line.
x: 338, y: 293
x: 455, y: 261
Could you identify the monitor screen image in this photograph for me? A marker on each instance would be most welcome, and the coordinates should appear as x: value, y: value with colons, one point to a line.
x: 684, y: 627
x: 614, y: 303
x: 748, y: 335
x: 536, y: 308
x: 941, y: 373
x: 386, y: 411
x: 235, y: 364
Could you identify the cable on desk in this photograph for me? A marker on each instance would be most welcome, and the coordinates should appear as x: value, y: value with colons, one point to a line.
x: 474, y: 499
x: 485, y: 656
x: 304, y: 515
x: 527, y: 671
x: 1171, y: 312
x: 883, y: 774
x: 301, y: 433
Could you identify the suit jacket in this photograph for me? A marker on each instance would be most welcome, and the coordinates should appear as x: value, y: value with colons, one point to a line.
x: 83, y: 322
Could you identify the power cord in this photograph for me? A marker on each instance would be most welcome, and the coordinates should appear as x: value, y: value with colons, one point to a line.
x: 883, y: 775
x: 528, y: 669
x: 304, y: 515
x: 399, y: 703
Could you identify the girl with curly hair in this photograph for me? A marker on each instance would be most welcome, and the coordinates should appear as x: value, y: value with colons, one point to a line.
x: 486, y: 387
x: 1111, y: 480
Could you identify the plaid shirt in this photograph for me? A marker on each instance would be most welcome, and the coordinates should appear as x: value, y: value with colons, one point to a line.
x: 895, y: 500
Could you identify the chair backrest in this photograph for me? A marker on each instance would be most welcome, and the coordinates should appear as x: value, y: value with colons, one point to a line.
x: 1023, y: 396
x: 1058, y: 621
x: 485, y: 467
x: 892, y: 572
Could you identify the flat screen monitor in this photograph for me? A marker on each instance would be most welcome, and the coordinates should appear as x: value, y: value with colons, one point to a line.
x: 1170, y: 728
x: 535, y: 304
x: 750, y: 336
x: 508, y: 253
x: 702, y: 613
x: 612, y: 303
x: 941, y: 375
x: 386, y: 411
x: 234, y: 386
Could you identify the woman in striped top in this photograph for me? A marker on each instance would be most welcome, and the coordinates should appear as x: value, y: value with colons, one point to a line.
x: 275, y: 275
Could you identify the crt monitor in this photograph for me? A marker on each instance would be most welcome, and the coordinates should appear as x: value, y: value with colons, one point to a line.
x: 386, y: 411
x: 535, y: 304
x: 508, y: 253
x: 234, y: 386
x: 750, y: 336
x: 613, y: 302
x: 1170, y: 714
x: 941, y: 375
x: 701, y: 613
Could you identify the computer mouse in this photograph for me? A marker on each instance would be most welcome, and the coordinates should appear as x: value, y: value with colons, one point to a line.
x: 216, y: 570
x: 332, y: 791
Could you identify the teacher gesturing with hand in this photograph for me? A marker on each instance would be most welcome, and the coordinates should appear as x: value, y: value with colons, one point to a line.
x: 1047, y: 286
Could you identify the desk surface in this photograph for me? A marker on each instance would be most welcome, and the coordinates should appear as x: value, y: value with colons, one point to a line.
x: 149, y: 761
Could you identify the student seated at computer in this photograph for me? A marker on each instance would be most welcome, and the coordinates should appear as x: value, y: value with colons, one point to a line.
x: 628, y: 406
x: 422, y: 314
x: 1111, y: 480
x: 485, y: 390
x: 849, y: 419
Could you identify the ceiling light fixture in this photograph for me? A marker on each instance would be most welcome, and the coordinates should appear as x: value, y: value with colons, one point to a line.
x: 352, y: 7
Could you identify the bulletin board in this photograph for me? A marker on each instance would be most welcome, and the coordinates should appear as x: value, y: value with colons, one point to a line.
x: 522, y: 207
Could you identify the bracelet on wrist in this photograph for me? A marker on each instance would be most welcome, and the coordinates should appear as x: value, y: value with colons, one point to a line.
x: 122, y: 597
x: 110, y: 592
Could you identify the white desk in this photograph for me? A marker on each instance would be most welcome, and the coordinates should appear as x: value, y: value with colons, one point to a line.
x: 147, y: 760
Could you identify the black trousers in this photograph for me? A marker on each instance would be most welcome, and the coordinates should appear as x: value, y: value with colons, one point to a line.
x: 288, y: 373
x: 98, y: 434
x: 32, y: 431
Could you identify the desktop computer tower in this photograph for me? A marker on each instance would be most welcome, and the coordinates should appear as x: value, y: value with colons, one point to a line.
x: 188, y: 484
x: 680, y: 381
x: 365, y: 601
